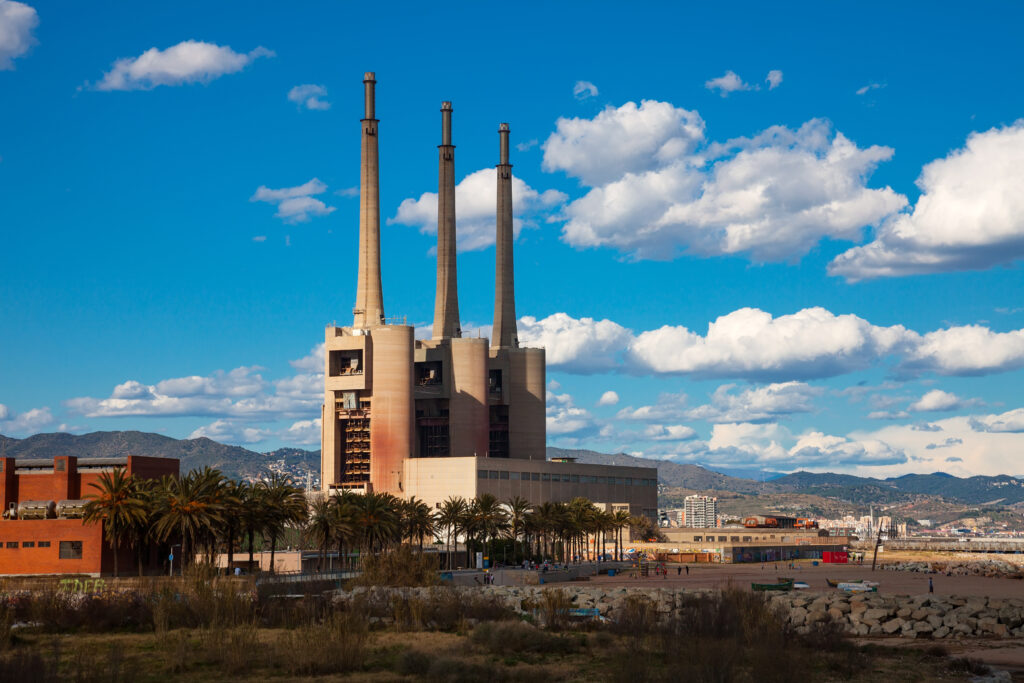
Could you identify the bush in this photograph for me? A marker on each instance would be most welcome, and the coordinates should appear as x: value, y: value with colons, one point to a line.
x: 517, y: 637
x: 412, y: 663
x: 401, y: 567
x: 554, y: 608
x: 338, y: 645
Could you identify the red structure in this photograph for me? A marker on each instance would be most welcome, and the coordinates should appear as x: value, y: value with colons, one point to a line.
x: 835, y: 557
x: 42, y: 531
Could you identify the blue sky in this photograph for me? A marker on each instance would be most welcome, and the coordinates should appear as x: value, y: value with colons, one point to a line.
x: 782, y: 238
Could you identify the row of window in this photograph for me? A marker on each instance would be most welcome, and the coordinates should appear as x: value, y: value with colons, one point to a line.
x: 565, y: 478
x: 734, y: 539
x: 68, y: 550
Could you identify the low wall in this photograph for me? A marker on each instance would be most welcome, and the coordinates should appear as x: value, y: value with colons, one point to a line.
x: 865, y: 614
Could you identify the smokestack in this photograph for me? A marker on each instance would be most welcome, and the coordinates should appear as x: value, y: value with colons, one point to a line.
x: 504, y: 334
x: 369, y: 308
x: 446, y: 305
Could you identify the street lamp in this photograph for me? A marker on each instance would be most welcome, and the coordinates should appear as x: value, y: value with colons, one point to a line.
x: 171, y: 558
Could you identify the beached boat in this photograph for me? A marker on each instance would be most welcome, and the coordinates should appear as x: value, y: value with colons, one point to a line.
x: 858, y: 586
x: 784, y: 579
x: 783, y: 586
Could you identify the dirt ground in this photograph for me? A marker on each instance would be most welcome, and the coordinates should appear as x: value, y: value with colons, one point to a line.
x: 742, y: 575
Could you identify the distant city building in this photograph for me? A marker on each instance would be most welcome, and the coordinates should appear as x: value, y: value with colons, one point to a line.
x: 700, y: 511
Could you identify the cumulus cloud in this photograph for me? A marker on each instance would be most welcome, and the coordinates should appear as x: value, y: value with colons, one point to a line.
x: 475, y: 199
x: 239, y: 393
x: 583, y: 90
x: 728, y: 83
x: 668, y: 407
x: 295, y: 204
x: 627, y: 139
x: 564, y: 417
x: 869, y: 87
x: 774, y: 79
x: 608, y: 398
x: 948, y: 443
x: 757, y: 404
x: 969, y: 216
x: 752, y: 344
x: 26, y: 423
x: 773, y: 196
x: 227, y: 431
x: 888, y: 415
x: 309, y: 96
x: 17, y: 21
x: 1012, y: 421
x: 190, y: 61
x: 937, y: 400
x: 579, y: 345
x: 657, y: 432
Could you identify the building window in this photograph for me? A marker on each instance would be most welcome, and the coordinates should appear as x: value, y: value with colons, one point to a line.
x: 514, y: 476
x: 493, y: 474
x: 12, y: 544
x: 629, y: 482
x: 503, y: 475
x: 545, y: 477
x: 526, y: 476
x: 721, y: 538
x: 565, y: 478
x: 482, y: 474
x: 734, y: 539
x: 70, y: 550
x: 536, y: 476
x: 575, y: 478
x: 44, y: 544
x: 28, y: 544
x: 698, y: 539
x: 602, y: 480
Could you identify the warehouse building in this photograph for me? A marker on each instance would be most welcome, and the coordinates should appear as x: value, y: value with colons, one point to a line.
x: 42, y: 530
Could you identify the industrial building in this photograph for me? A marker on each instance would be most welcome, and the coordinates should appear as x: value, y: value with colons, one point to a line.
x: 42, y: 530
x: 449, y: 415
x: 740, y: 544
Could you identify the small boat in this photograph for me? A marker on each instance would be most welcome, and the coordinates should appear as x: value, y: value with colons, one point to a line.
x: 783, y: 586
x: 832, y: 583
x: 784, y: 579
x: 798, y: 585
x: 858, y: 586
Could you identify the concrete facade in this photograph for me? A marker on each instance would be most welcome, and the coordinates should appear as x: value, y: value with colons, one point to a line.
x: 393, y: 404
x: 41, y: 531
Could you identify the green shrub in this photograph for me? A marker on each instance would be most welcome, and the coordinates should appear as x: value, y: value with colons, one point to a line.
x: 517, y: 637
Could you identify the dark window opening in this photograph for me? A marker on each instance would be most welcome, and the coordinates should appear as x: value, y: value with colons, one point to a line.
x: 28, y: 544
x: 498, y: 444
x: 12, y: 544
x: 494, y: 381
x: 428, y: 373
x: 346, y: 362
x: 433, y: 437
x: 70, y: 550
x: 44, y: 544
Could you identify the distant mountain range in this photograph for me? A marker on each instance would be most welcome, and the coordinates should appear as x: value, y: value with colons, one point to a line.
x: 238, y: 462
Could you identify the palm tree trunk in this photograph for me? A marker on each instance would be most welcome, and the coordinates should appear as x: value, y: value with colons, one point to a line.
x: 252, y: 534
x: 273, y: 549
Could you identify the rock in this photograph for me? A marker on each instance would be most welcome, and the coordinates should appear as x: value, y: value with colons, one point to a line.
x: 941, y: 632
x: 875, y: 615
x: 892, y: 625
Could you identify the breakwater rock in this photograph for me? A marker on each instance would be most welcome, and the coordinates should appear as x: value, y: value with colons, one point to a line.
x: 864, y: 614
x: 989, y: 568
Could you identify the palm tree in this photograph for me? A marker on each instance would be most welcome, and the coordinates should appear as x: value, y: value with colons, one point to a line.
x: 450, y: 517
x: 320, y: 527
x: 491, y: 517
x: 250, y: 512
x: 376, y: 516
x: 518, y: 508
x: 233, y: 492
x: 285, y: 505
x: 116, y: 505
x: 418, y: 520
x: 188, y: 507
x: 343, y: 525
x: 621, y: 520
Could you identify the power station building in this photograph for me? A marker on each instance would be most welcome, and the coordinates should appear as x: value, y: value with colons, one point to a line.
x: 449, y: 415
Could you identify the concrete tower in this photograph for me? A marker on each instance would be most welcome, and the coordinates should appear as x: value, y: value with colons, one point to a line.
x: 446, y: 305
x: 369, y: 309
x: 504, y: 335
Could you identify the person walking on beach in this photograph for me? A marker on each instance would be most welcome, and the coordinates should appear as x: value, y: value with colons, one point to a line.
x: 931, y: 586
x: 687, y: 570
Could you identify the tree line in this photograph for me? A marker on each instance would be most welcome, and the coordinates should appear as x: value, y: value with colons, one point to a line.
x: 205, y: 512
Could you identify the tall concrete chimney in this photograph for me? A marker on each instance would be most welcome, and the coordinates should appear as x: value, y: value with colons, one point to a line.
x: 446, y: 305
x: 369, y: 308
x: 504, y: 334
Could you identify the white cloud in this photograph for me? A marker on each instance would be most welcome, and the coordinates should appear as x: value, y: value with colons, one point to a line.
x: 240, y: 393
x: 936, y: 400
x: 969, y: 216
x: 189, y: 61
x: 1012, y: 421
x: 628, y: 139
x: 757, y: 404
x: 305, y: 432
x: 888, y: 415
x: 579, y: 345
x: 295, y: 204
x: 751, y: 343
x: 774, y: 79
x: 726, y: 84
x: 869, y: 87
x: 259, y: 238
x: 230, y: 432
x: 309, y: 96
x: 584, y: 89
x: 966, y: 350
x: 658, y: 432
x: 17, y: 21
x: 564, y: 417
x: 668, y: 407
x: 312, y: 361
x: 528, y: 145
x: 26, y: 423
x: 608, y: 398
x: 475, y: 201
x: 773, y: 196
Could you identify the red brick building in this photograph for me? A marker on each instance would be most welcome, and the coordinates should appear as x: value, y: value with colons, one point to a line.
x: 42, y: 532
